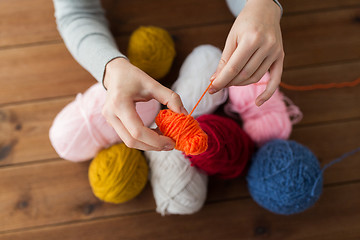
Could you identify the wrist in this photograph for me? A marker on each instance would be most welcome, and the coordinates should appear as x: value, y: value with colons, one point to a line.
x: 112, y: 66
x: 279, y: 5
x: 266, y: 6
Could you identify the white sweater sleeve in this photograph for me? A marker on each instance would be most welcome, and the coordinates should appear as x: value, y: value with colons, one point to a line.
x: 236, y: 6
x: 84, y: 28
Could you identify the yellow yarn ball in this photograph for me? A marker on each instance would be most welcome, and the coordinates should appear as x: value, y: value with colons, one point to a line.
x: 118, y: 174
x: 152, y: 50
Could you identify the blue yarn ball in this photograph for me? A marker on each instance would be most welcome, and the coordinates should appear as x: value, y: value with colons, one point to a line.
x: 285, y: 177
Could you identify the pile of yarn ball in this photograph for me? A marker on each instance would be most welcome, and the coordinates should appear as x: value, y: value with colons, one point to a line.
x: 229, y: 150
x: 184, y: 130
x: 178, y: 187
x: 285, y: 177
x: 80, y: 130
x: 118, y: 174
x: 152, y: 50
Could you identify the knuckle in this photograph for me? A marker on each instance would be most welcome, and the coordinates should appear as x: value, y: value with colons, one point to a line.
x: 282, y: 54
x: 136, y: 134
x: 222, y: 61
x: 271, y: 41
x: 130, y: 142
x: 245, y: 74
x: 279, y: 53
x: 255, y: 37
x: 105, y: 112
x: 175, y: 96
x: 115, y: 100
x: 233, y: 70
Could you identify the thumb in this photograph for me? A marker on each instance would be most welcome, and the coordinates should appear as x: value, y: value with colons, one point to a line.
x: 168, y: 97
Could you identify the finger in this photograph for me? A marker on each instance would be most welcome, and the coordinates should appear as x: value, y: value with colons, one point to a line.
x: 230, y: 46
x: 237, y: 61
x: 134, y: 125
x: 126, y: 137
x: 167, y: 97
x: 254, y: 63
x: 275, y: 78
x: 259, y: 73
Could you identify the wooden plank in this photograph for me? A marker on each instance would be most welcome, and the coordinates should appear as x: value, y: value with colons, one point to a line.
x: 29, y: 193
x: 54, y: 72
x: 313, y: 38
x: 330, y: 141
x: 24, y: 126
x: 35, y: 20
x: 325, y: 105
x: 24, y: 22
x: 55, y: 192
x: 24, y: 131
x: 38, y: 72
x: 335, y: 216
x: 125, y: 17
x: 295, y: 6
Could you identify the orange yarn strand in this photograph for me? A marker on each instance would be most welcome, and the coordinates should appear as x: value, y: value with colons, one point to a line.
x: 200, y: 98
x: 320, y: 86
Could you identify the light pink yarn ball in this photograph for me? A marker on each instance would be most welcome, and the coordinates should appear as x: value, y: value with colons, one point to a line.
x: 270, y: 121
x: 79, y: 131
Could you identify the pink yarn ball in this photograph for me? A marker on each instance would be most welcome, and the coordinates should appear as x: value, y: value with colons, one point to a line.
x: 229, y: 147
x: 79, y: 131
x: 270, y: 121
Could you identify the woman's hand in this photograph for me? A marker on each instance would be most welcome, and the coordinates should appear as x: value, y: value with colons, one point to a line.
x: 253, y: 46
x: 126, y: 85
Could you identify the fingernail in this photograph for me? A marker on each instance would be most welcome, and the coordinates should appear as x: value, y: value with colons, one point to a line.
x: 260, y: 102
x: 183, y: 110
x: 212, y: 90
x: 212, y: 77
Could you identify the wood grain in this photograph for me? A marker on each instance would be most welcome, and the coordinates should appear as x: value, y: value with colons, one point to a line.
x: 24, y: 131
x: 330, y: 141
x: 328, y: 36
x: 54, y: 192
x: 39, y: 72
x: 296, y: 6
x: 325, y: 105
x: 26, y: 22
x: 335, y: 214
x: 24, y: 126
x: 44, y: 197
x: 54, y: 72
x: 33, y: 22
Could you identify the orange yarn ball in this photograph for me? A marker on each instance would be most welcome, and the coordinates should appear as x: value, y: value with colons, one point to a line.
x: 184, y: 130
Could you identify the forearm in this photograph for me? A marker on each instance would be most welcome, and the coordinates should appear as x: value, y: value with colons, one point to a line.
x: 83, y: 26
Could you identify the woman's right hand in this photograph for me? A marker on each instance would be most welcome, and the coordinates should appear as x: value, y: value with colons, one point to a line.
x: 126, y: 85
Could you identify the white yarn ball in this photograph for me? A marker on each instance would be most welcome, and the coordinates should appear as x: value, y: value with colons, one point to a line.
x: 178, y: 187
x: 236, y: 6
x: 194, y: 77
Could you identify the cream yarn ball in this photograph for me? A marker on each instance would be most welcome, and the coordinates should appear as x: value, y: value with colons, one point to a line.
x: 178, y: 187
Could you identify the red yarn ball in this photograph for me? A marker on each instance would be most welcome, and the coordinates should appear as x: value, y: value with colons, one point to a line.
x: 229, y: 147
